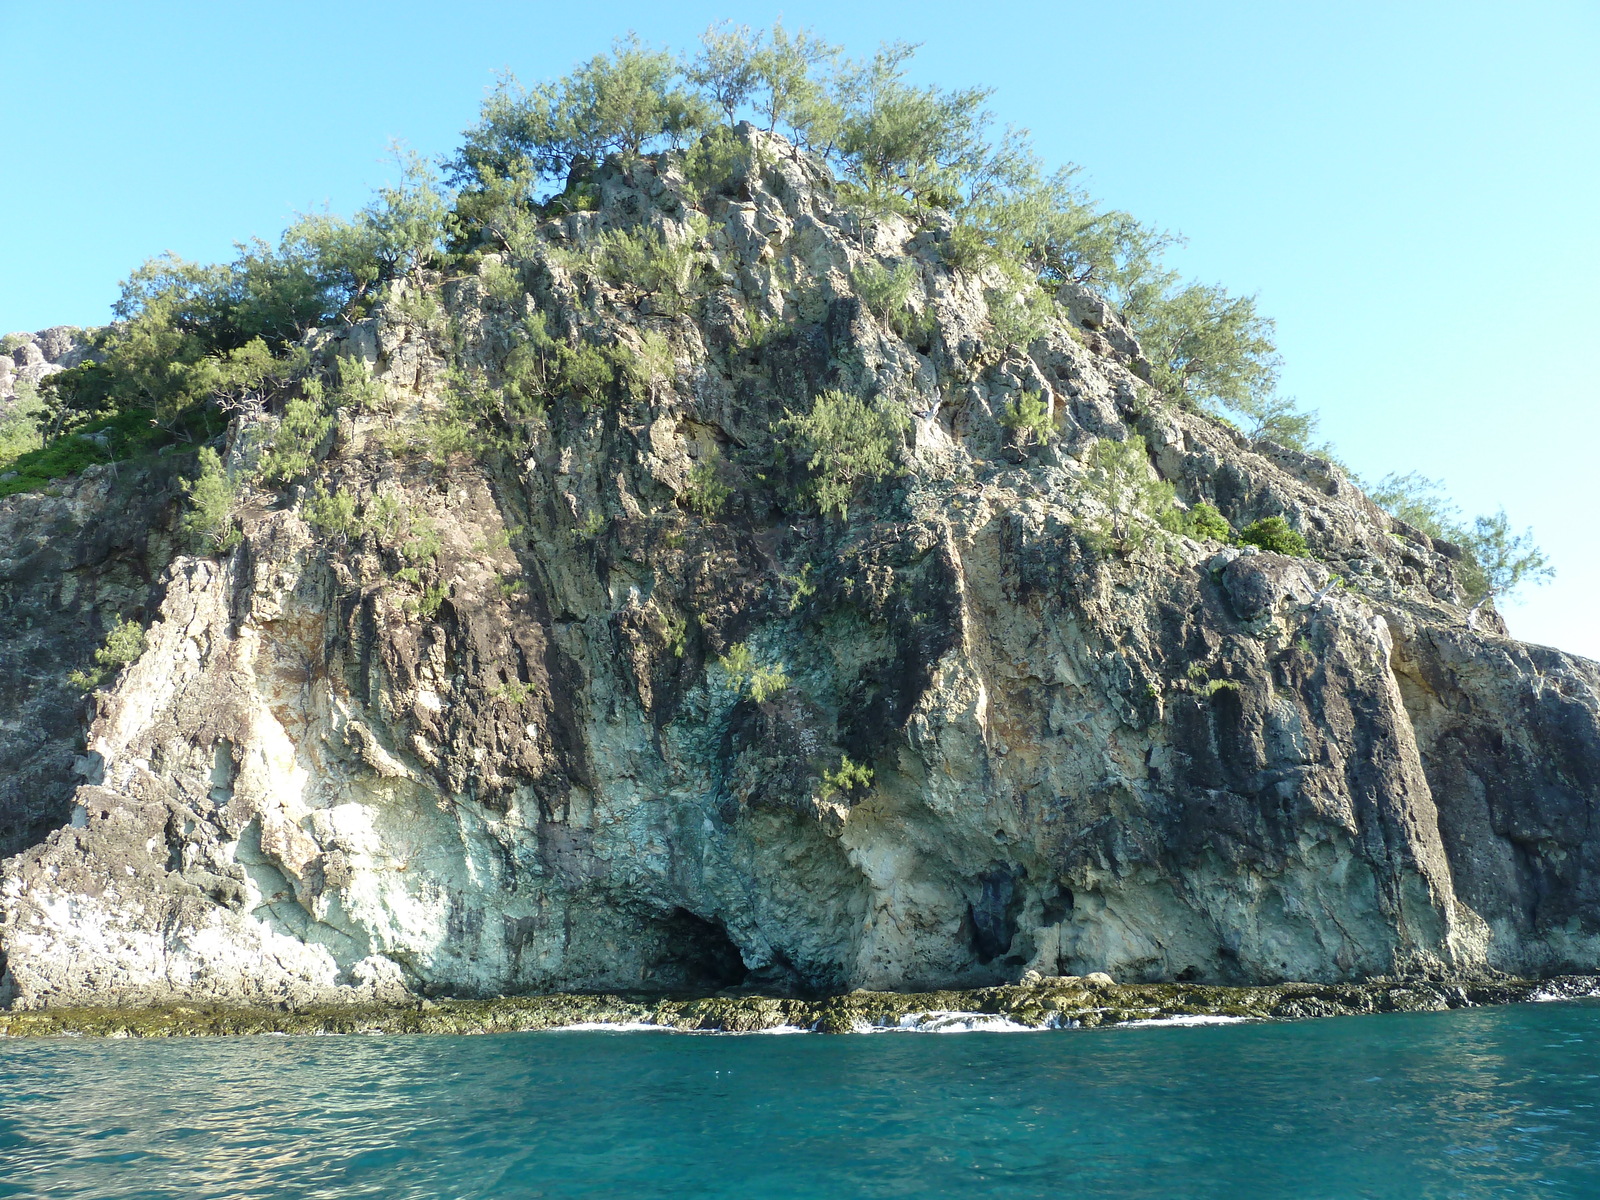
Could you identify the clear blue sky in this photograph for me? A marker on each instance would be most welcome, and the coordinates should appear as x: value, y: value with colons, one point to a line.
x: 1412, y: 188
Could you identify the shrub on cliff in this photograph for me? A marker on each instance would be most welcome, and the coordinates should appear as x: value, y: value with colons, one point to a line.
x: 897, y: 146
x: 124, y: 643
x: 1027, y: 418
x: 301, y: 431
x: 19, y: 426
x: 746, y: 676
x: 1137, y: 503
x: 1204, y: 521
x: 212, y: 495
x: 1276, y: 535
x: 783, y: 78
x: 844, y: 442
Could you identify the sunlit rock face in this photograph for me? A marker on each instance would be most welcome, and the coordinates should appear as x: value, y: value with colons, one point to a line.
x: 482, y: 741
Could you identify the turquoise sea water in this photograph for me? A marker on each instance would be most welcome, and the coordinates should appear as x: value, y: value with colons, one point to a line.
x: 1483, y: 1103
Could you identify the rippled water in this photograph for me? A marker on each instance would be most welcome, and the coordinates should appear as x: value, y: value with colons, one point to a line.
x: 1484, y: 1103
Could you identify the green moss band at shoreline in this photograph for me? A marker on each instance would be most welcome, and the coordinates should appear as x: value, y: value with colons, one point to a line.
x: 1064, y: 1003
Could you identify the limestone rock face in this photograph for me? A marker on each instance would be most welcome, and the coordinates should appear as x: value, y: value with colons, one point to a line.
x: 484, y: 738
x: 30, y: 357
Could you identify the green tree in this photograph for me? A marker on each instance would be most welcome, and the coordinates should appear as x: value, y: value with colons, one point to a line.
x: 851, y: 779
x: 1496, y: 561
x: 213, y: 495
x: 1504, y: 560
x: 705, y: 493
x: 125, y: 642
x: 1123, y: 481
x: 888, y: 294
x: 1204, y: 345
x: 726, y: 69
x: 1204, y: 521
x: 746, y: 676
x: 333, y: 514
x: 20, y: 425
x: 845, y: 442
x: 1028, y: 419
x: 622, y: 103
x: 909, y: 146
x: 295, y: 441
x: 790, y: 88
x: 402, y: 228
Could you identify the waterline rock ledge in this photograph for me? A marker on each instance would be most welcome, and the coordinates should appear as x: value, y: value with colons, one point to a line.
x: 1045, y: 1005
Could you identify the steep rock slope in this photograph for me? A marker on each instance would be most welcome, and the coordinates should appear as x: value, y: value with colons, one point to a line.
x: 486, y: 732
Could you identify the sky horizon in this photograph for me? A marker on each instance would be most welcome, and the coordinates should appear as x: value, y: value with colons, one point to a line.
x: 1408, y: 188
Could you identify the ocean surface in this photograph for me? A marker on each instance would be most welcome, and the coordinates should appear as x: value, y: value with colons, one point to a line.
x: 1482, y: 1103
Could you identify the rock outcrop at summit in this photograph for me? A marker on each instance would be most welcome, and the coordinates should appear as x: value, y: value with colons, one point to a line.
x: 28, y: 358
x: 485, y: 733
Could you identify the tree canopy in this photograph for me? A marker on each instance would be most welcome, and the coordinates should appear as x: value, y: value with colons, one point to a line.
x: 1497, y: 561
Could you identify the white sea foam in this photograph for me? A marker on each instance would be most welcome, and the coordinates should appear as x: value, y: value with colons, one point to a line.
x: 941, y: 1021
x: 948, y: 1021
x: 1548, y: 995
x: 1189, y: 1019
x: 615, y: 1027
x: 652, y: 1027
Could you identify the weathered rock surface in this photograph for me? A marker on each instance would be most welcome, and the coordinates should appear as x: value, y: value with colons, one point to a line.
x: 30, y: 357
x: 482, y: 745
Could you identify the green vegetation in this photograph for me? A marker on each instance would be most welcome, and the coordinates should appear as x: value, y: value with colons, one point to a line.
x: 123, y: 645
x: 622, y: 103
x: 1204, y: 521
x: 19, y: 428
x: 844, y: 442
x: 651, y: 263
x: 1028, y: 419
x: 1137, y: 503
x: 516, y: 693
x: 189, y: 334
x: 1276, y: 535
x: 705, y: 493
x: 804, y: 587
x: 747, y: 677
x: 1021, y: 313
x: 432, y: 599
x: 300, y: 433
x: 213, y: 494
x: 713, y: 162
x: 888, y: 295
x: 651, y: 365
x: 332, y: 514
x: 195, y: 343
x: 851, y: 778
x: 1495, y: 560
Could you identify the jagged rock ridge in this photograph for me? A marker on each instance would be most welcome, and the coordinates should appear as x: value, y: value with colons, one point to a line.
x: 349, y: 768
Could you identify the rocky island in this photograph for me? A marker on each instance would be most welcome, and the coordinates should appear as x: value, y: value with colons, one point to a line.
x: 712, y: 583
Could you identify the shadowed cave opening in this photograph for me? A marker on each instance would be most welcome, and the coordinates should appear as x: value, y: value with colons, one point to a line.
x: 992, y: 915
x: 696, y: 955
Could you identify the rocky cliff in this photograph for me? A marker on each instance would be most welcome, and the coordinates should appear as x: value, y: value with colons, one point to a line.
x: 485, y: 728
